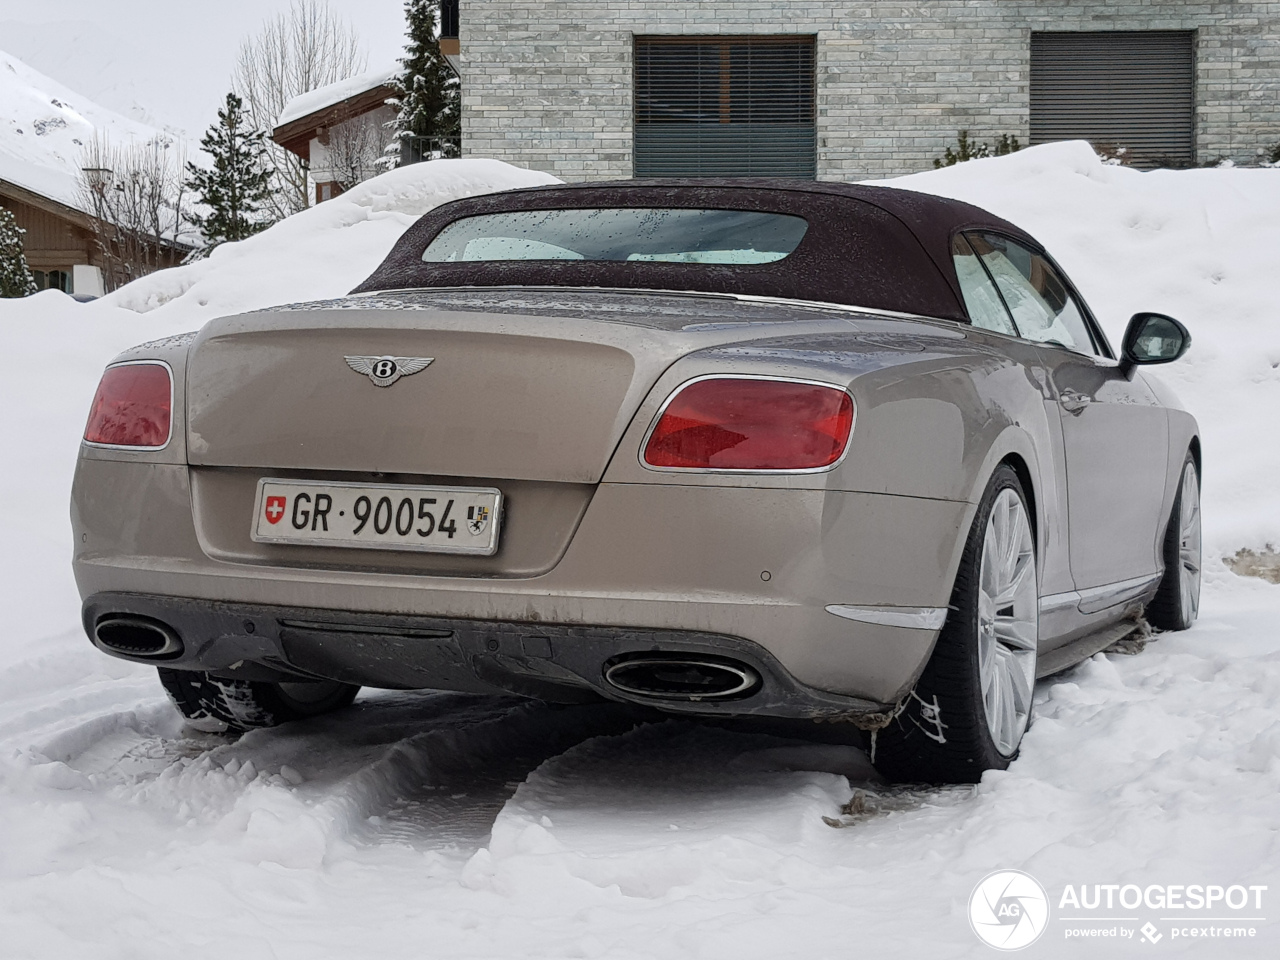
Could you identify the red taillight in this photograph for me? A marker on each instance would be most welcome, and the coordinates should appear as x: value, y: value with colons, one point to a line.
x: 736, y: 423
x: 131, y: 407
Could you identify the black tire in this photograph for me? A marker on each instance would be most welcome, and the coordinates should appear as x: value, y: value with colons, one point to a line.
x: 941, y: 733
x: 215, y: 704
x: 1177, y: 601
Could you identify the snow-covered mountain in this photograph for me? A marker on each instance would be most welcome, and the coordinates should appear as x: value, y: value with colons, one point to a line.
x: 166, y: 64
x: 44, y: 127
x: 122, y: 70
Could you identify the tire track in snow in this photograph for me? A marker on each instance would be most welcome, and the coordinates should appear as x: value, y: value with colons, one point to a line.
x: 428, y: 770
x: 445, y: 785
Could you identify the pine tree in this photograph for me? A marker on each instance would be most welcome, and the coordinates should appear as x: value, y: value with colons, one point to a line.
x: 15, y: 275
x: 237, y: 190
x: 429, y: 94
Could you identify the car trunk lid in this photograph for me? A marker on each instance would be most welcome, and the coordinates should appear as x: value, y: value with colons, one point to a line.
x: 276, y: 391
x: 504, y: 396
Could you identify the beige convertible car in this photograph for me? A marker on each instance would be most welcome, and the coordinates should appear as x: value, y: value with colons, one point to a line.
x: 833, y: 453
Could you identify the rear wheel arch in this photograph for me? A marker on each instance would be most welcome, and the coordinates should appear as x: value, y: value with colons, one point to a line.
x: 1015, y: 450
x: 1023, y: 471
x: 1018, y: 464
x: 1015, y: 447
x: 946, y: 730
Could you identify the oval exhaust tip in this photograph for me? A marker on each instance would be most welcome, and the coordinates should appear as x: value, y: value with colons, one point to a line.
x: 137, y: 637
x: 681, y: 678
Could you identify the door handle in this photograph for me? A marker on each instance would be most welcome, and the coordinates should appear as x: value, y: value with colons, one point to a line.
x: 1073, y: 402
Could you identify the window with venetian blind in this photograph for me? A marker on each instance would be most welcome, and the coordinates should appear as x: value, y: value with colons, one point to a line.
x: 725, y: 107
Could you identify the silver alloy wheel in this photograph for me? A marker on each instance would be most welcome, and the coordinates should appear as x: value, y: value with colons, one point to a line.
x: 1189, y: 542
x: 1008, y: 621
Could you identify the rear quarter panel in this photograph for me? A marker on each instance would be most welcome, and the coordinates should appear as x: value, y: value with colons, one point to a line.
x: 938, y: 407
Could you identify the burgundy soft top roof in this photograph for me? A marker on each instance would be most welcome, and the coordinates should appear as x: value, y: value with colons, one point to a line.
x: 866, y: 246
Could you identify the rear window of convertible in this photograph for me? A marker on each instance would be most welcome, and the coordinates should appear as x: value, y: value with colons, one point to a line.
x: 653, y: 234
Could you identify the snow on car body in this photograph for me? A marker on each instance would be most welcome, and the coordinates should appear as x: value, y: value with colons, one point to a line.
x: 746, y: 448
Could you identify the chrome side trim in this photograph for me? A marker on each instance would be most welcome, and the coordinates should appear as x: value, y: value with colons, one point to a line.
x: 912, y: 618
x: 1058, y: 601
x: 1097, y: 599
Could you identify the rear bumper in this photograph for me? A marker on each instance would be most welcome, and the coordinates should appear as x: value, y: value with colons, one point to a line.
x: 726, y: 566
x: 557, y: 662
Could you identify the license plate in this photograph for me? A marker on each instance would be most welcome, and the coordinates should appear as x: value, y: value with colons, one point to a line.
x: 378, y: 516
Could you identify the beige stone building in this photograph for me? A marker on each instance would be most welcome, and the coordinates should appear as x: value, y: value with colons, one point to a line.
x: 584, y: 89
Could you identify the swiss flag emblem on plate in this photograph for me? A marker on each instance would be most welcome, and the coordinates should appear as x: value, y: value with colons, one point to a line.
x: 275, y: 508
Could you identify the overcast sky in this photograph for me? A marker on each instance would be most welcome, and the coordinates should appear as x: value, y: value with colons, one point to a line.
x: 165, y: 61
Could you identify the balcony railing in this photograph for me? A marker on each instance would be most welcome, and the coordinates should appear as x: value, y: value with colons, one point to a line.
x: 419, y: 149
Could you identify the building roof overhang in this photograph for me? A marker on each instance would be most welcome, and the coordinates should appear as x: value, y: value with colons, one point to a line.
x: 41, y: 202
x: 296, y: 135
x: 79, y: 218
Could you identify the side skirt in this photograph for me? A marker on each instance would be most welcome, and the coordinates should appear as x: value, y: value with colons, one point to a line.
x: 1077, y: 651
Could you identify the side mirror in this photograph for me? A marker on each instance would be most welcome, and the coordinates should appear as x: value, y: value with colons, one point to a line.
x: 1152, y: 338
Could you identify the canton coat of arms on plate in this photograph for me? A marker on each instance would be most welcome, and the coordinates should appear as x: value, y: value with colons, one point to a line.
x: 477, y: 520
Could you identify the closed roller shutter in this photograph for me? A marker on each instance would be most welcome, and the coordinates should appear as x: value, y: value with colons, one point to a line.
x: 725, y: 106
x: 1130, y: 89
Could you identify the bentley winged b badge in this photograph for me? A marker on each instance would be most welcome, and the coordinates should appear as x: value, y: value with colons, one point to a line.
x: 384, y: 371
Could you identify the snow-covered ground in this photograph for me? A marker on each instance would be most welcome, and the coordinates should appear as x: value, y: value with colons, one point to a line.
x: 439, y: 825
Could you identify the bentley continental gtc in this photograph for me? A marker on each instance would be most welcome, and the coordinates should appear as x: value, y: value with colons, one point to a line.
x: 840, y: 454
